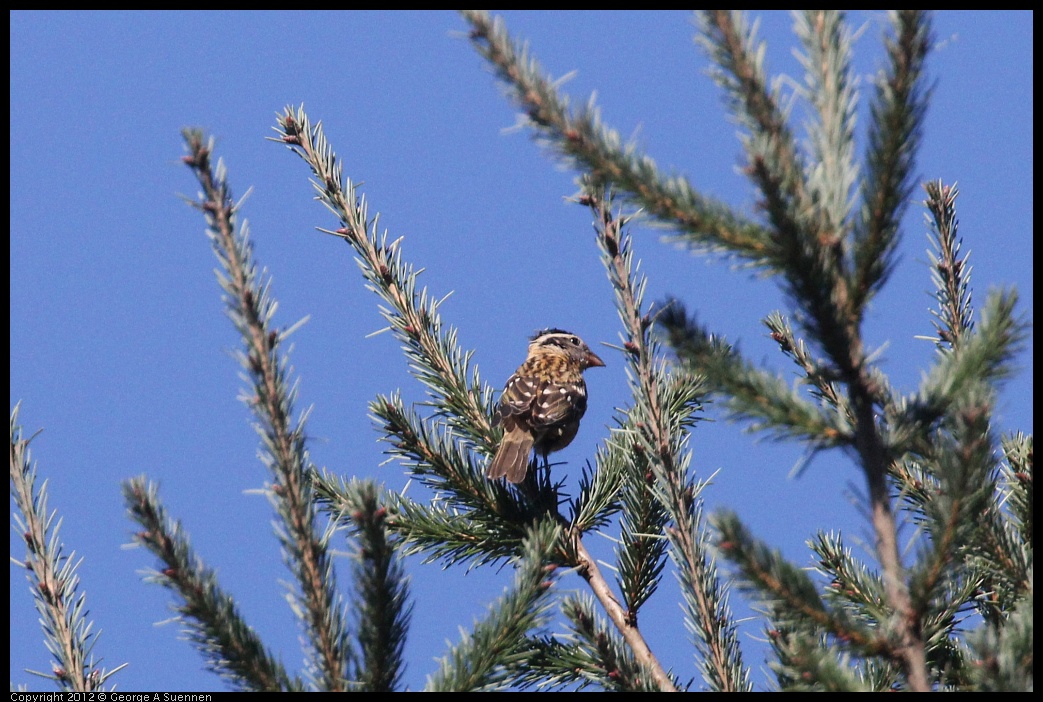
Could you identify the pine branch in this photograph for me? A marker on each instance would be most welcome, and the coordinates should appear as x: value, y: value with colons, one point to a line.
x: 592, y: 654
x: 641, y: 553
x: 752, y: 393
x: 1018, y: 491
x: 817, y: 274
x: 413, y: 316
x: 791, y: 594
x: 599, y: 489
x: 809, y: 258
x: 708, y: 614
x: 810, y: 248
x: 383, y: 614
x: 433, y: 454
x: 439, y: 530
x: 950, y: 273
x: 967, y: 356
x: 851, y: 585
x: 942, y: 590
x: 962, y: 503
x: 817, y: 280
x: 805, y: 664
x: 774, y: 161
x: 580, y: 139
x: 1004, y: 654
x: 897, y: 115
x: 53, y: 579
x: 948, y: 480
x: 486, y: 658
x: 210, y: 617
x: 983, y: 357
x: 831, y: 88
x: 250, y: 307
x: 998, y: 553
x: 488, y: 521
x: 817, y: 375
x: 904, y: 628
x: 588, y: 569
x: 889, y: 180
x: 654, y: 437
x: 950, y: 493
x: 859, y: 594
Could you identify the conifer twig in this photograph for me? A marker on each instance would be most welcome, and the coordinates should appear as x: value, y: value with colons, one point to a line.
x: 383, y: 611
x: 477, y: 662
x: 53, y: 577
x: 660, y: 427
x: 250, y: 308
x: 949, y: 272
x: 898, y: 110
x: 209, y: 615
x: 413, y: 316
x: 594, y: 652
x: 579, y: 136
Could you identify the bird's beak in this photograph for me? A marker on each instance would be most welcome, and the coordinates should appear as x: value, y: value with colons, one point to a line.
x: 592, y: 360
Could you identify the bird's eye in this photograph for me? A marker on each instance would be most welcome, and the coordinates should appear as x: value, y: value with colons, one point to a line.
x: 574, y: 340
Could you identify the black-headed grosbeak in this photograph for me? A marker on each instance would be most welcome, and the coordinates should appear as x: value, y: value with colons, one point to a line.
x: 542, y: 403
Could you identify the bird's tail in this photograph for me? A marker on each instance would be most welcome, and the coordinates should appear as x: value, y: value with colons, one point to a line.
x: 512, y: 458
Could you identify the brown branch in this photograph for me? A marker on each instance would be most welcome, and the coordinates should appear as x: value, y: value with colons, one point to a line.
x: 908, y: 642
x: 589, y: 571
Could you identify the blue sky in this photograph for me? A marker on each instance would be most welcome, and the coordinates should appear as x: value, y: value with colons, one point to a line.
x: 120, y: 350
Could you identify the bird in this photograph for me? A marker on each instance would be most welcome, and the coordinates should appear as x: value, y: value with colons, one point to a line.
x: 542, y: 402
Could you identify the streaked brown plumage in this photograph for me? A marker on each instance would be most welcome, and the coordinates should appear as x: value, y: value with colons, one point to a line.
x: 542, y: 403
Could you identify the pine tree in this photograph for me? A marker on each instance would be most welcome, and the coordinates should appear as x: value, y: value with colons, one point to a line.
x: 957, y: 616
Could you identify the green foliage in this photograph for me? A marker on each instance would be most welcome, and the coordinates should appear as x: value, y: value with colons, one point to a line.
x: 958, y: 617
x: 831, y: 227
x: 484, y: 660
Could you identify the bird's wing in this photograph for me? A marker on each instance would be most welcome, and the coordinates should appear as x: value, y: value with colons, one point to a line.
x: 517, y: 397
x: 558, y: 403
